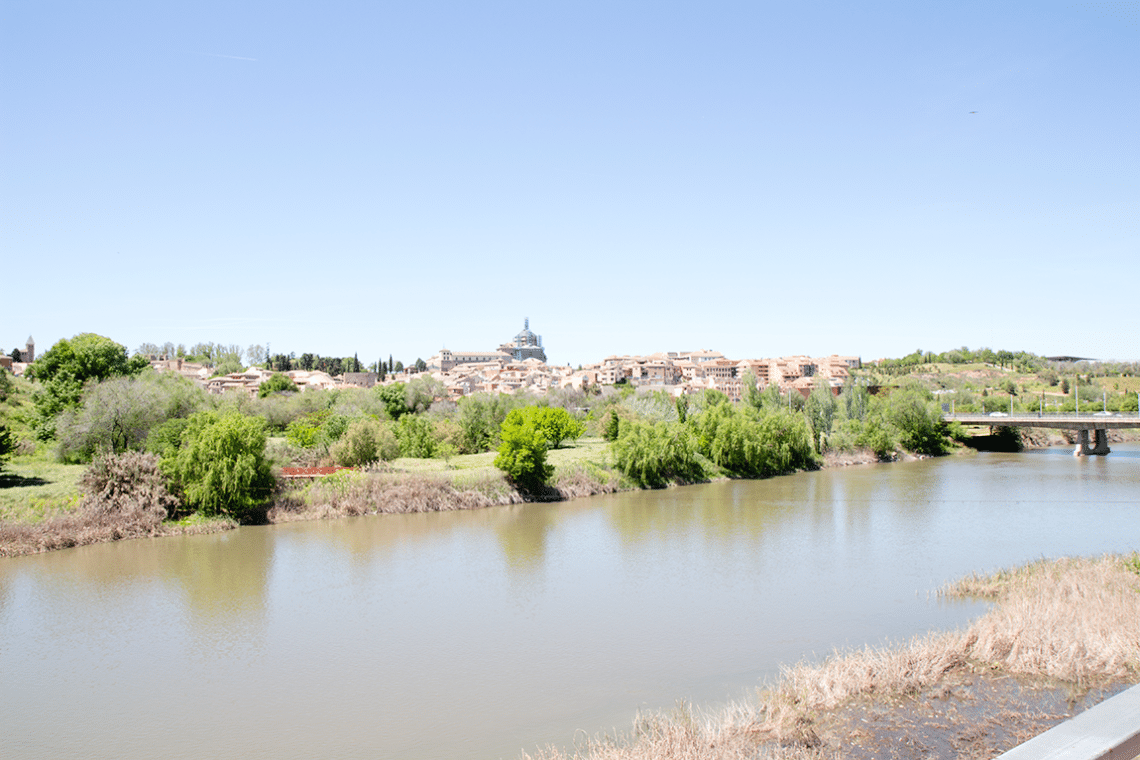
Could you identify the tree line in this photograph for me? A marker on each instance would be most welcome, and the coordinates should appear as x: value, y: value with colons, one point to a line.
x: 91, y: 399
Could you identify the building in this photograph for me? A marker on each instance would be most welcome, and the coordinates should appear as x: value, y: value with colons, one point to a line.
x: 525, y: 345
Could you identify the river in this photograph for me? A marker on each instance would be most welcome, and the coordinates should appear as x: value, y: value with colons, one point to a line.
x: 477, y: 634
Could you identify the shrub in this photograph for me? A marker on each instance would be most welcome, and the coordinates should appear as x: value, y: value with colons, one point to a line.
x: 221, y: 467
x: 919, y: 422
x: 166, y: 438
x: 613, y: 427
x: 656, y: 455
x: 555, y: 423
x: 128, y: 486
x: 304, y: 432
x: 416, y: 436
x: 7, y: 444
x: 118, y: 414
x: 364, y: 442
x: 753, y: 444
x: 878, y: 436
x: 278, y: 382
x: 522, y: 451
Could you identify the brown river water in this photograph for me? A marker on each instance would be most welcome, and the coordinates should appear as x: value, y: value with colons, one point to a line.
x: 478, y: 634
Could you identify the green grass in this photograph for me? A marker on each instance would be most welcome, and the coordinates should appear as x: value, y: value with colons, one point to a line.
x: 33, y: 488
x: 570, y: 455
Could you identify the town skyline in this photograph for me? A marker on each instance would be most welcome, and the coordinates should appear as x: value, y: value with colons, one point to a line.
x: 370, y: 360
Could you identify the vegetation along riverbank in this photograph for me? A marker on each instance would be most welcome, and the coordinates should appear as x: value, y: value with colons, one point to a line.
x: 1060, y: 636
x: 88, y: 412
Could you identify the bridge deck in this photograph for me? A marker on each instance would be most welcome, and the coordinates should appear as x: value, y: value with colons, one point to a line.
x: 1082, y: 421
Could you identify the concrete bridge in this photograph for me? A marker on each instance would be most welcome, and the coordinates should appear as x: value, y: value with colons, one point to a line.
x: 1083, y: 422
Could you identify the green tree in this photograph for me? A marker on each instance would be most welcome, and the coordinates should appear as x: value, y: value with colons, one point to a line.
x: 750, y: 392
x: 416, y: 436
x: 856, y: 400
x: 278, y: 382
x: 820, y: 410
x: 613, y: 427
x: 118, y: 414
x: 7, y: 444
x: 305, y: 432
x: 394, y: 398
x: 654, y: 455
x: 365, y: 441
x: 66, y: 367
x: 913, y: 412
x: 221, y: 467
x: 556, y: 424
x: 522, y: 451
x: 420, y: 392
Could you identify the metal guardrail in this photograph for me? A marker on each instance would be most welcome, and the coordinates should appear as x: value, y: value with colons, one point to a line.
x: 1108, y: 730
x: 1084, y: 416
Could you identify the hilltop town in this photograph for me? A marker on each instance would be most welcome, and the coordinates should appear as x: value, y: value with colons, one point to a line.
x: 519, y: 364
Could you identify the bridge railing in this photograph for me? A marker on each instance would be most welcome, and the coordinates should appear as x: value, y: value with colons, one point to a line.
x: 1108, y: 730
x: 1042, y: 415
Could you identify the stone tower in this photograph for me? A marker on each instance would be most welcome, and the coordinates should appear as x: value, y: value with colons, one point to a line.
x: 29, y: 352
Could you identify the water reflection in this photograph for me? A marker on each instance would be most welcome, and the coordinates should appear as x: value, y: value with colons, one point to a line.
x: 475, y: 633
x: 522, y: 532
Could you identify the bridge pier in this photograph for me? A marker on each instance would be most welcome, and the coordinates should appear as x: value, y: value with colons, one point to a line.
x: 1100, y: 443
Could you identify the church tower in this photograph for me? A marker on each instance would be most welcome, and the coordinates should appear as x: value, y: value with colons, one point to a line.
x: 29, y: 352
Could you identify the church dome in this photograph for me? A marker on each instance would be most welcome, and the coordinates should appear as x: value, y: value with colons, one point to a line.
x: 525, y: 345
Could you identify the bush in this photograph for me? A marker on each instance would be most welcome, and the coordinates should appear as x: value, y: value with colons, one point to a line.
x: 416, y: 436
x: 751, y: 444
x: 394, y: 398
x: 364, y: 442
x: 278, y: 382
x: 481, y: 417
x: 119, y: 413
x: 7, y: 444
x: 221, y: 467
x: 919, y: 422
x: 656, y: 455
x: 166, y: 438
x: 304, y: 432
x: 556, y: 424
x: 129, y: 486
x: 613, y: 427
x: 878, y: 436
x: 522, y: 452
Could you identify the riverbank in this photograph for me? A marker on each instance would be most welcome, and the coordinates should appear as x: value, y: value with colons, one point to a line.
x: 1060, y: 637
x: 52, y: 516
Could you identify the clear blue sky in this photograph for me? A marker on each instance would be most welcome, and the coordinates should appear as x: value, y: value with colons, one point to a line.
x: 758, y: 178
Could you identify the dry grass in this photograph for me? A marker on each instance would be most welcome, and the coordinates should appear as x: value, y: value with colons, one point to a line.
x: 81, y: 528
x: 1071, y: 621
x: 123, y: 496
x: 426, y: 485
x: 352, y: 493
